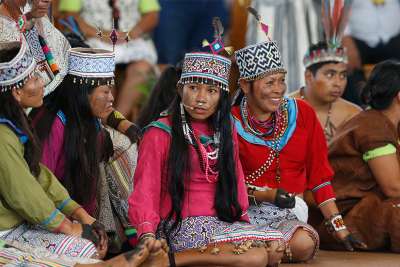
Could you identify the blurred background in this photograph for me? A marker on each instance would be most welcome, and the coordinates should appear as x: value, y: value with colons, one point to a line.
x: 171, y: 28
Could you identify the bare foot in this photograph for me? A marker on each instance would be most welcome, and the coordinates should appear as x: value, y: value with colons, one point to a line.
x: 158, y: 256
x: 275, y: 252
x: 133, y: 258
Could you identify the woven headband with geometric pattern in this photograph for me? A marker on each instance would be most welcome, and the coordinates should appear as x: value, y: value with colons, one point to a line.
x: 202, y: 67
x: 90, y: 64
x: 259, y: 60
x: 16, y: 72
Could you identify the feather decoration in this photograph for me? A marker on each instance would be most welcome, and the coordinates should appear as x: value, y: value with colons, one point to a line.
x: 264, y: 27
x: 218, y: 28
x: 335, y: 22
x: 344, y: 18
x: 254, y: 13
x: 337, y: 8
x: 326, y: 19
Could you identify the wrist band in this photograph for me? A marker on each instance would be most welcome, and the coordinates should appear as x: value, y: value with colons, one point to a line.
x: 335, y: 223
x: 146, y: 236
x: 258, y: 188
x: 114, y: 119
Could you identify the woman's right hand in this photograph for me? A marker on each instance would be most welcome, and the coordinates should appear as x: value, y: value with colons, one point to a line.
x: 76, y: 229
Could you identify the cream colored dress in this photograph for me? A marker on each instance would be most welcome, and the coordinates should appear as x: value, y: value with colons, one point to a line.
x: 57, y: 43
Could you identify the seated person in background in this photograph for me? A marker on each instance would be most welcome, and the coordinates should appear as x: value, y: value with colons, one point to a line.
x: 372, y: 35
x: 47, y: 45
x: 133, y: 20
x: 365, y: 157
x: 35, y: 208
x: 75, y: 145
x: 326, y: 78
x: 326, y: 73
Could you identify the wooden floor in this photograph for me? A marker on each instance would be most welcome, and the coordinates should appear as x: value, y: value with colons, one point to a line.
x: 355, y: 259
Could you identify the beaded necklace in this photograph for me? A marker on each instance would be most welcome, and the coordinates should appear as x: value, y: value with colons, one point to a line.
x: 205, y: 157
x: 329, y: 127
x: 268, y: 125
x: 279, y: 128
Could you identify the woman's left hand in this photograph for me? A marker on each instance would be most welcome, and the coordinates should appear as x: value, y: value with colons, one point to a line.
x: 349, y: 241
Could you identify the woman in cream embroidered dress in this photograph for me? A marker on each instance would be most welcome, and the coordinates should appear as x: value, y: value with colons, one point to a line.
x: 10, y: 11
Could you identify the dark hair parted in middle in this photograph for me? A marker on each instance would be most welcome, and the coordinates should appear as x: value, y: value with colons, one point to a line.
x: 226, y: 193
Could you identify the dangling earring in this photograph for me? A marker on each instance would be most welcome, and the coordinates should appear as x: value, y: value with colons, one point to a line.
x: 185, y: 126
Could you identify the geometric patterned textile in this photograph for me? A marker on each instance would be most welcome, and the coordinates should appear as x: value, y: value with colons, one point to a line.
x: 257, y: 61
x: 91, y: 63
x: 198, y: 231
x: 200, y: 67
x: 32, y: 37
x: 335, y: 54
x: 15, y: 73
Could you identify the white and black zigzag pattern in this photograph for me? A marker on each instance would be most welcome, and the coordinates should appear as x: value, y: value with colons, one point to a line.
x: 257, y: 59
x: 32, y: 37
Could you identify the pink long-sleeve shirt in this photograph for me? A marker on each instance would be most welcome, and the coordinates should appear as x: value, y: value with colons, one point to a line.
x: 53, y: 156
x: 150, y: 201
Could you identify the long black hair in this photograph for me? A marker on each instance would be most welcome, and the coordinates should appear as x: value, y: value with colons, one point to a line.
x: 85, y: 143
x: 10, y: 109
x: 383, y: 85
x: 161, y: 96
x: 226, y: 193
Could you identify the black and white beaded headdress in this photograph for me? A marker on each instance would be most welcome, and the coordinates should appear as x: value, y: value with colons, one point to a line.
x: 258, y: 60
x: 89, y: 65
x: 16, y: 72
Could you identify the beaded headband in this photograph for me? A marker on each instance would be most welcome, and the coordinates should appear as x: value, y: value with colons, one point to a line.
x: 259, y: 60
x: 204, y: 67
x: 15, y: 73
x: 334, y: 24
x: 90, y: 64
x: 325, y: 55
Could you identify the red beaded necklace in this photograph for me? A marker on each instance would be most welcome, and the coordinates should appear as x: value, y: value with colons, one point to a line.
x: 279, y: 128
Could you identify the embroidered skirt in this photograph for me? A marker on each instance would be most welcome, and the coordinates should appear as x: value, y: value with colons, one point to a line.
x: 196, y: 232
x: 283, y: 220
x: 59, y: 244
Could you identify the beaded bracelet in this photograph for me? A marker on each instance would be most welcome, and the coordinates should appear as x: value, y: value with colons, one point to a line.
x: 147, y: 236
x: 335, y: 223
x: 114, y: 119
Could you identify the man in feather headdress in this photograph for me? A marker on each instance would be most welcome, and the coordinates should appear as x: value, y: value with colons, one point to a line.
x: 326, y: 72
